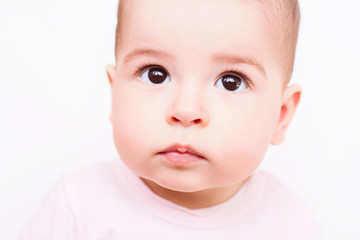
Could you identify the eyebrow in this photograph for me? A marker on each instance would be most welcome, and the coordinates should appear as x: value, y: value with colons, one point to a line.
x: 145, y: 52
x: 228, y: 59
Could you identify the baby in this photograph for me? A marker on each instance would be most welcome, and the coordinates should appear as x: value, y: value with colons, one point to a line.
x: 199, y: 92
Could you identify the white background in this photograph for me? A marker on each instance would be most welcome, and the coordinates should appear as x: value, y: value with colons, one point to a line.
x: 55, y: 102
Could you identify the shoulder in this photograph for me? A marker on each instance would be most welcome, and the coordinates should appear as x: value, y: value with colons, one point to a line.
x: 99, y: 191
x: 62, y: 212
x: 278, y: 205
x: 268, y: 186
x: 92, y: 183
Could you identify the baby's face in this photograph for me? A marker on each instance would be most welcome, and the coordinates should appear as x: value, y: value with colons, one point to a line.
x: 196, y: 92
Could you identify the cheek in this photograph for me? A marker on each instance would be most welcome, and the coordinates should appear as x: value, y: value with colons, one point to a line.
x: 136, y: 117
x: 243, y: 137
x: 128, y: 130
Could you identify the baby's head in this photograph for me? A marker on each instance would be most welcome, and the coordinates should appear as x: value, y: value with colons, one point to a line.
x: 282, y: 23
x: 199, y: 91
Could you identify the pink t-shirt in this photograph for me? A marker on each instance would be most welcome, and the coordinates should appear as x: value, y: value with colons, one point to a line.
x: 107, y: 201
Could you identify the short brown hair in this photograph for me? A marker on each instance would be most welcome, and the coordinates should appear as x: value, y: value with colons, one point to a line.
x: 283, y: 14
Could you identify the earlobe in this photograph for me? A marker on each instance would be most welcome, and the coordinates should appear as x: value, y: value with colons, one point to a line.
x: 110, y: 71
x: 290, y: 100
x: 111, y: 118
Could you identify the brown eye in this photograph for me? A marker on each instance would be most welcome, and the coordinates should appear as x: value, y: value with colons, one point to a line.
x: 155, y: 75
x: 231, y: 82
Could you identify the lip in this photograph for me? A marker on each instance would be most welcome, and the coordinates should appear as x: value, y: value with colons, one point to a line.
x: 180, y: 154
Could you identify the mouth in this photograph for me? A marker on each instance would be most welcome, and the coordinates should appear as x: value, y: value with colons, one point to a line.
x: 179, y: 154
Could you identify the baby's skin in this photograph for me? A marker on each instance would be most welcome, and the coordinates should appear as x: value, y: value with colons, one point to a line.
x: 197, y: 96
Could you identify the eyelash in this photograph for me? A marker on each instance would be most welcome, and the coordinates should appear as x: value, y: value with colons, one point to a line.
x: 142, y: 68
x: 242, y: 76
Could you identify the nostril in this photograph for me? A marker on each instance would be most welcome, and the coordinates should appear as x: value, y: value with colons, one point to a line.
x: 197, y: 121
x: 187, y: 118
x: 174, y: 119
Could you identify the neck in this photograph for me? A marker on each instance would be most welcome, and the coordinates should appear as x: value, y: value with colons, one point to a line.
x: 195, y: 200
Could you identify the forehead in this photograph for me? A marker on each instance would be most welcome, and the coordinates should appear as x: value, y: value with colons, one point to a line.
x: 200, y: 27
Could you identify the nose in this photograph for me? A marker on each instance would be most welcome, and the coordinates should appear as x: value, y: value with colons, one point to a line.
x: 187, y: 109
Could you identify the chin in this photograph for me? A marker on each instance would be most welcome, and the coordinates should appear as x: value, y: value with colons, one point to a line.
x: 177, y: 186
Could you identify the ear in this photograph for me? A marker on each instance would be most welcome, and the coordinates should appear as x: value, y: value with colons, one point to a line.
x: 110, y: 71
x: 290, y: 100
